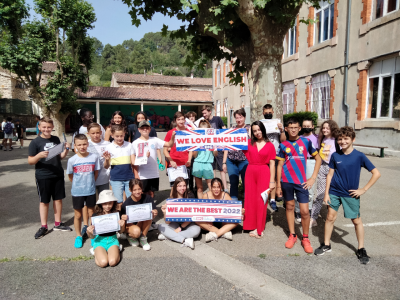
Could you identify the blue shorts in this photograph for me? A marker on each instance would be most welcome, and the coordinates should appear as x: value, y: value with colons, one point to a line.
x: 105, y: 241
x: 203, y: 170
x: 288, y: 190
x: 351, y: 206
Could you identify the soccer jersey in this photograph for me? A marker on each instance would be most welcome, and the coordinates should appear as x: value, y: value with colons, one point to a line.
x: 83, y: 183
x: 294, y: 153
x: 121, y: 167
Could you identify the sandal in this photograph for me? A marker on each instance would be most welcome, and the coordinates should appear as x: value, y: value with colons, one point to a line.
x: 253, y: 233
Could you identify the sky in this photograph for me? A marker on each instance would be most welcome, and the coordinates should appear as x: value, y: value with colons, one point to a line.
x: 114, y: 24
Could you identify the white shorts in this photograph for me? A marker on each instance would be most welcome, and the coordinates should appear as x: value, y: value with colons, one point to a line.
x: 8, y: 136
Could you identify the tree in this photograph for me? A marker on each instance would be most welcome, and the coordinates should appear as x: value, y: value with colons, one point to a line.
x: 251, y: 30
x: 172, y: 72
x: 61, y: 37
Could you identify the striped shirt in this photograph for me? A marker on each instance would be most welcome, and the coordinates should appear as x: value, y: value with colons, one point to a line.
x: 121, y: 167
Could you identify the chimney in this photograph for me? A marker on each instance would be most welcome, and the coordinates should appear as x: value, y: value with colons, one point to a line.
x: 191, y: 75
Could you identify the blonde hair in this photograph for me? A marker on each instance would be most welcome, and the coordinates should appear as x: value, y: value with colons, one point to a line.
x: 204, y: 121
x: 46, y: 120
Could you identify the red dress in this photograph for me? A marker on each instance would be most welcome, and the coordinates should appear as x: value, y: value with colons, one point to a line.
x: 257, y: 181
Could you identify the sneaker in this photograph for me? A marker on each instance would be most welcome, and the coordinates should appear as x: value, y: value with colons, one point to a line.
x: 362, y: 256
x: 78, y: 242
x: 161, y: 237
x: 297, y: 217
x: 322, y: 249
x: 91, y: 250
x: 227, y: 235
x: 83, y: 232
x: 5, y: 149
x: 121, y: 236
x: 41, y: 232
x: 291, y: 241
x: 153, y: 226
x: 133, y: 242
x: 189, y: 243
x: 21, y: 147
x: 62, y: 227
x: 211, y: 236
x: 11, y: 149
x: 121, y: 247
x: 313, y: 223
x: 273, y: 205
x: 307, y: 245
x: 143, y: 242
x: 279, y: 199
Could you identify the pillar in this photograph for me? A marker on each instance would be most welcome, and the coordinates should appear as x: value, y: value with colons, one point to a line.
x: 98, y: 112
x: 141, y: 106
x: 179, y: 107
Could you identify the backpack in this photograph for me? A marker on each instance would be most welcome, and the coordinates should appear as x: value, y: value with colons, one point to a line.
x: 8, y: 129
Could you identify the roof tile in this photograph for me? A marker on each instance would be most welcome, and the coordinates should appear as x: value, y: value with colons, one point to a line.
x: 157, y: 79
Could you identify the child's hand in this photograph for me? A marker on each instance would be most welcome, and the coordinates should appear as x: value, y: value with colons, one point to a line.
x: 188, y: 163
x: 164, y: 208
x: 327, y: 199
x: 173, y: 164
x: 224, y: 168
x: 107, y: 155
x: 271, y: 185
x: 121, y: 222
x: 154, y: 212
x: 356, y: 193
x: 67, y: 145
x: 179, y: 229
x: 90, y: 229
x: 308, y: 184
x: 243, y: 213
x: 124, y: 217
x: 148, y: 154
x: 278, y: 191
x: 43, y: 154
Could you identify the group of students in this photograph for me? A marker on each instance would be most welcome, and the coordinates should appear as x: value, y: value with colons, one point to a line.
x: 12, y: 131
x: 287, y: 165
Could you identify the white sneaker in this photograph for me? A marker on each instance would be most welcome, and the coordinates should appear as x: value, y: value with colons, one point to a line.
x: 211, y: 236
x: 121, y: 236
x: 313, y: 223
x: 133, y: 242
x: 121, y: 247
x: 144, y: 243
x: 91, y: 250
x: 161, y: 237
x: 189, y: 243
x: 228, y: 235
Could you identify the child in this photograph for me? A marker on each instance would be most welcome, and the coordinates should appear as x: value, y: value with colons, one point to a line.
x: 342, y: 188
x: 148, y: 146
x: 119, y: 155
x: 139, y: 229
x: 20, y: 132
x: 96, y: 146
x: 83, y: 169
x: 327, y: 145
x: 49, y: 175
x: 117, y: 118
x: 8, y: 130
x: 202, y: 166
x: 185, y: 232
x: 293, y: 159
x: 85, y: 118
x: 191, y: 116
x: 106, y: 246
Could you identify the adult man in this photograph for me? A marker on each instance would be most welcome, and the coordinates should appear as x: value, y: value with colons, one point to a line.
x: 216, y: 123
x: 275, y: 138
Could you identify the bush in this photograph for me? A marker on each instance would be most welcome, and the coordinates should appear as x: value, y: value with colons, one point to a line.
x: 301, y: 115
x: 225, y: 120
x: 172, y: 72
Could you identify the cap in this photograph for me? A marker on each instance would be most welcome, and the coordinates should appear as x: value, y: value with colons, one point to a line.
x: 106, y: 196
x: 144, y: 123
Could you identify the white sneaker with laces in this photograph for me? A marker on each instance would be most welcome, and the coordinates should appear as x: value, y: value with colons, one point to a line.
x: 228, y: 235
x: 161, y: 237
x: 144, y: 243
x: 189, y: 243
x: 211, y: 236
x: 133, y: 242
x: 121, y: 248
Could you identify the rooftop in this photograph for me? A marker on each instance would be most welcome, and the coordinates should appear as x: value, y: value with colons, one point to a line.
x: 161, y: 79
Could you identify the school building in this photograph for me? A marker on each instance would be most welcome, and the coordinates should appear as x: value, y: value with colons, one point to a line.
x: 345, y: 67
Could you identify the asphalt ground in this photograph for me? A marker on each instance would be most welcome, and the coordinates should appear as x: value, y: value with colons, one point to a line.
x: 51, y: 268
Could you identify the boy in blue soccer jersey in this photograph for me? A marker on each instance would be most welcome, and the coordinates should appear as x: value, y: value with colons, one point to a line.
x: 292, y: 158
x: 342, y: 188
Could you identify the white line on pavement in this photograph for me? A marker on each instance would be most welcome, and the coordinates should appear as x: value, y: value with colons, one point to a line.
x: 376, y: 224
x: 241, y: 275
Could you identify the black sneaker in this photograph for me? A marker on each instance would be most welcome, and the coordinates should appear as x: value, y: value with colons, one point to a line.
x: 62, y: 227
x: 322, y: 249
x: 279, y: 199
x: 41, y: 232
x: 83, y: 232
x: 362, y: 256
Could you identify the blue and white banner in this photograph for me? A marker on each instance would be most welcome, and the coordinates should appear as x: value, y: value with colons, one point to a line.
x: 209, y: 139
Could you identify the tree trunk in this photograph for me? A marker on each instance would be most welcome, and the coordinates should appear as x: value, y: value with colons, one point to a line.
x: 59, y: 123
x: 265, y: 86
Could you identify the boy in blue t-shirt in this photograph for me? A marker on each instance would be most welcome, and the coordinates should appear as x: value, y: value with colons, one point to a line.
x: 82, y: 169
x: 342, y: 188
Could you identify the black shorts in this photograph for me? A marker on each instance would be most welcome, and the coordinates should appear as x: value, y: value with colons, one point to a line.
x: 151, y: 184
x: 50, y: 188
x: 217, y: 164
x: 81, y: 201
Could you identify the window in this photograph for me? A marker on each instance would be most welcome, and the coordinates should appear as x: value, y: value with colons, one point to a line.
x: 242, y: 86
x: 384, y: 89
x: 288, y: 98
x: 232, y: 118
x: 227, y: 68
x: 218, y: 105
x: 320, y: 95
x: 218, y: 75
x: 324, y: 25
x: 383, y: 7
x: 291, y: 41
x: 226, y: 107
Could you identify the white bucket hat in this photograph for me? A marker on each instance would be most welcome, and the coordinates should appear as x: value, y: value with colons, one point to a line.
x: 106, y: 196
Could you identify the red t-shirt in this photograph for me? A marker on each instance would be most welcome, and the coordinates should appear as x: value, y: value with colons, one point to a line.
x: 180, y: 157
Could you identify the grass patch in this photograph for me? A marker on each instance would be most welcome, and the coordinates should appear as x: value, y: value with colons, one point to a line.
x: 48, y: 259
x: 263, y: 256
x: 295, y: 254
x: 81, y: 257
x: 52, y: 258
x: 23, y: 258
x: 5, y: 259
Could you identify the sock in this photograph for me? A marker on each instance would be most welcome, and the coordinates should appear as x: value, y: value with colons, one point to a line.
x: 272, y: 200
x: 294, y: 235
x: 305, y: 236
x: 45, y: 226
x: 57, y: 224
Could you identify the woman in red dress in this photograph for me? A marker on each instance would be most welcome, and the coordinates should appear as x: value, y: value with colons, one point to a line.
x: 261, y: 156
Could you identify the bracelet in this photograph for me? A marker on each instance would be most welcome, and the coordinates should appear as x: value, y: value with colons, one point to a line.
x: 272, y: 182
x: 224, y: 163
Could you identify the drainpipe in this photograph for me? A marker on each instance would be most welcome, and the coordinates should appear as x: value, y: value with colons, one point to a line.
x: 346, y: 63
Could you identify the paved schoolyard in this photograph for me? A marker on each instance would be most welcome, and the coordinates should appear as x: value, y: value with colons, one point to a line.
x: 246, y: 268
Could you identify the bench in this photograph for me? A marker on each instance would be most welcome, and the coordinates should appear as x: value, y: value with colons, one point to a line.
x: 379, y: 147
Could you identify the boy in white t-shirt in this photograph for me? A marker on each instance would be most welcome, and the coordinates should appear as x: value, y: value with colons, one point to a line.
x: 145, y: 158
